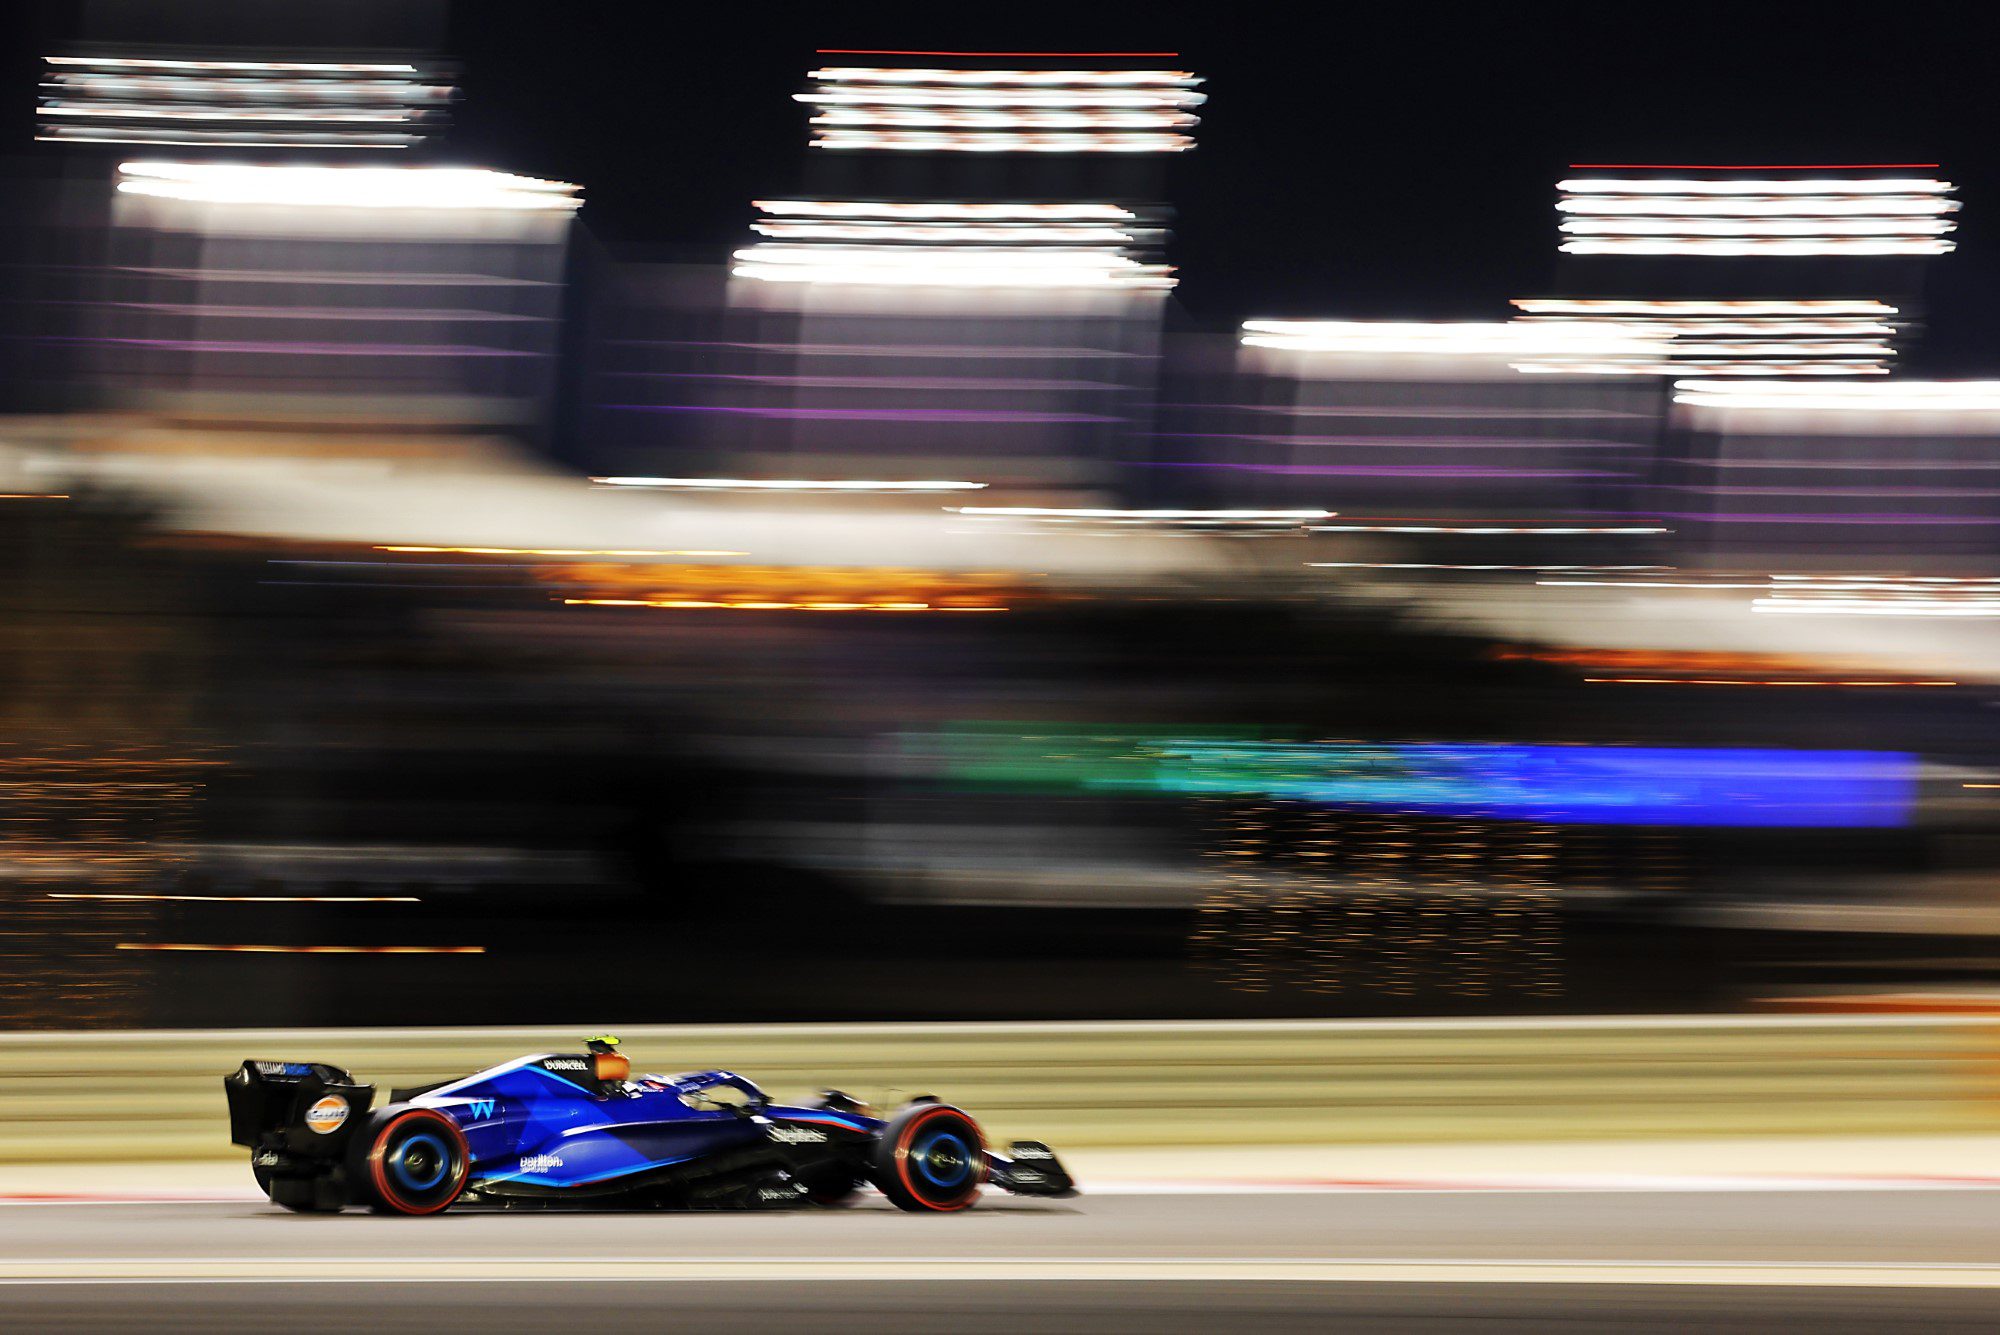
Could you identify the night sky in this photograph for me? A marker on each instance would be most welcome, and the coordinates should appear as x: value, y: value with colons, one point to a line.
x: 1380, y: 161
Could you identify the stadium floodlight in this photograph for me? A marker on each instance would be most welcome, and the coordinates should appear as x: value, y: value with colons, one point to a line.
x: 1753, y: 246
x: 1820, y: 207
x: 345, y: 187
x: 1757, y: 227
x: 949, y: 244
x: 242, y: 66
x: 1897, y: 396
x: 1741, y: 337
x: 1752, y: 185
x: 925, y: 110
x: 981, y: 233
x: 1485, y: 338
x: 239, y: 103
x: 925, y: 118
x: 944, y: 275
x: 925, y: 141
x: 1755, y: 216
x: 845, y: 74
x: 942, y: 210
x: 1591, y: 306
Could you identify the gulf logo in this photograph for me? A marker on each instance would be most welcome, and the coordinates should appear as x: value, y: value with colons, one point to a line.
x: 327, y: 1114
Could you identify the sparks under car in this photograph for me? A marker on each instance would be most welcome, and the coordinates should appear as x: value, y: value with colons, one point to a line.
x: 556, y: 1129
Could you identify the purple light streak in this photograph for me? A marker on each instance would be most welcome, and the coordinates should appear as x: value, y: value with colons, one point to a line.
x: 1408, y: 442
x: 309, y: 349
x: 866, y: 414
x: 1396, y: 470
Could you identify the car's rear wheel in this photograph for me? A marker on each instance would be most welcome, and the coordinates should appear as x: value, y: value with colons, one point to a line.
x: 409, y: 1160
x: 931, y: 1157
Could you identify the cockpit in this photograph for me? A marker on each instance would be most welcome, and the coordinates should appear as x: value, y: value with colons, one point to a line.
x: 718, y: 1091
x: 704, y: 1091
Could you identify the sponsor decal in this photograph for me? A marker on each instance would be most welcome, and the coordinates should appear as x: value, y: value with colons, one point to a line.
x: 1031, y: 1152
x: 479, y: 1109
x: 566, y: 1064
x: 540, y: 1163
x: 797, y: 1135
x: 327, y: 1114
x: 790, y: 1193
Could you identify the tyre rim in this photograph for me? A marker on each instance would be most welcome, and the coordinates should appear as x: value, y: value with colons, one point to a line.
x: 943, y: 1159
x: 420, y: 1162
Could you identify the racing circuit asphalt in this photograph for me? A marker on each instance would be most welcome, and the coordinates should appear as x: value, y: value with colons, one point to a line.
x: 1828, y: 1259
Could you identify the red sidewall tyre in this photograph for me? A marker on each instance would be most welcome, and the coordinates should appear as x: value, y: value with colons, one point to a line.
x: 930, y: 1157
x: 412, y: 1161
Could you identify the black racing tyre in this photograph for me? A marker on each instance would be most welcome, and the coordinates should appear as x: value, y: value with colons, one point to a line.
x: 300, y: 1195
x: 930, y: 1156
x: 408, y: 1160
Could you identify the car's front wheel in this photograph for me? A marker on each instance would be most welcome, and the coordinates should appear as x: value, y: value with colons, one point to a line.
x: 409, y: 1160
x: 931, y: 1157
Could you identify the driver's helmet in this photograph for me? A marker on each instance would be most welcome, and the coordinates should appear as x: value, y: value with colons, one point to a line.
x: 611, y: 1067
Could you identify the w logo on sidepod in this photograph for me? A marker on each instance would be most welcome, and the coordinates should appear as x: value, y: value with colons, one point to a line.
x: 479, y: 1109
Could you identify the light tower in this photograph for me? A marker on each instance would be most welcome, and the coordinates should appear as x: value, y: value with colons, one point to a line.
x: 1750, y: 271
x: 970, y: 288
x: 1783, y: 295
x: 268, y: 242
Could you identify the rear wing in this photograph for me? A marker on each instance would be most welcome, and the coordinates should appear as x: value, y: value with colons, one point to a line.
x: 306, y: 1108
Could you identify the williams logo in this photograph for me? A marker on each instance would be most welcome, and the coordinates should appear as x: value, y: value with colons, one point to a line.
x: 797, y: 1135
x: 479, y: 1109
x: 540, y: 1163
x: 327, y: 1114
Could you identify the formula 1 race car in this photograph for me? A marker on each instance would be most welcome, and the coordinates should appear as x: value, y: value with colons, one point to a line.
x: 575, y: 1128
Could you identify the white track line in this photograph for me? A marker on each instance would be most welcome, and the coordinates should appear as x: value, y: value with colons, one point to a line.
x: 1528, y: 1186
x: 1533, y: 1185
x: 1399, y: 1270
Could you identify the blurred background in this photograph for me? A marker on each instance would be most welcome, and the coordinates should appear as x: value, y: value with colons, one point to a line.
x: 512, y: 519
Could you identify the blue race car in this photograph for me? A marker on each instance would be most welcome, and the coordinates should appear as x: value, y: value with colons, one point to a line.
x: 558, y: 1129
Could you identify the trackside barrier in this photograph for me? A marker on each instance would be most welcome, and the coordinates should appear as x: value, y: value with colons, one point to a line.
x: 156, y: 1095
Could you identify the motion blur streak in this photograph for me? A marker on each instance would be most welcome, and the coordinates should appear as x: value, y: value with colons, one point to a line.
x: 955, y: 244
x: 301, y: 950
x: 918, y: 109
x: 345, y: 187
x: 1746, y: 681
x: 1556, y: 784
x: 244, y: 899
x: 1771, y: 337
x: 698, y: 603
x: 241, y: 103
x: 782, y: 484
x: 1487, y: 529
x: 562, y: 551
